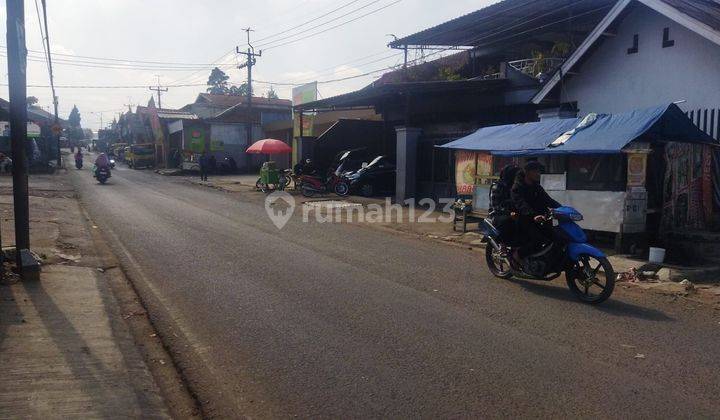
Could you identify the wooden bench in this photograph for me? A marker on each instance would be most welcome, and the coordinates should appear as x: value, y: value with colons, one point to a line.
x: 467, y: 217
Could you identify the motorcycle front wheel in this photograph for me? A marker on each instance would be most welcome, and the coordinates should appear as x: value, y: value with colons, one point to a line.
x: 342, y: 189
x: 498, y: 264
x: 308, y: 192
x: 591, y: 279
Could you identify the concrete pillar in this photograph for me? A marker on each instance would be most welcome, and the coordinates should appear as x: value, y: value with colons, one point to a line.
x: 407, y: 144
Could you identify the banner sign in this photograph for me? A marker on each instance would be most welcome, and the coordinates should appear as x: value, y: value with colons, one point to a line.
x: 308, y: 126
x: 465, y: 171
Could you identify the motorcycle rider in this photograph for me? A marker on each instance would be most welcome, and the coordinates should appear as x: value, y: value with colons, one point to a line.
x: 531, y: 202
x: 501, y: 207
x: 79, y: 158
x: 102, y: 161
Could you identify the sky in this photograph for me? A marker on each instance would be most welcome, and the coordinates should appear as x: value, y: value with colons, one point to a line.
x: 189, y: 37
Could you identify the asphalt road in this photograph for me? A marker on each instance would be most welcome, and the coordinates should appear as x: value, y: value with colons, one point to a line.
x: 347, y: 321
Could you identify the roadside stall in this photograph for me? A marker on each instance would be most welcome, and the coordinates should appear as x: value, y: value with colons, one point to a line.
x: 270, y: 178
x: 616, y: 169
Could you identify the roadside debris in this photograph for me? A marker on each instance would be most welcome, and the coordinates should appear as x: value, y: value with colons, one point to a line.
x: 131, y: 314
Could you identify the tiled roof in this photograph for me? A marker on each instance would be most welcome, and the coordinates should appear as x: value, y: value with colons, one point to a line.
x: 227, y: 101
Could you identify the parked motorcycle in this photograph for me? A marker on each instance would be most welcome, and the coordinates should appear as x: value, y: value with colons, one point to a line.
x: 589, y: 274
x: 311, y: 185
x: 102, y: 174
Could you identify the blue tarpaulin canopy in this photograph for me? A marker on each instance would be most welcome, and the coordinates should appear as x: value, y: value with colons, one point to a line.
x: 609, y: 133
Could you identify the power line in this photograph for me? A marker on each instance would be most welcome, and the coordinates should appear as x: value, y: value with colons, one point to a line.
x: 191, y: 75
x: 42, y: 37
x: 124, y: 60
x: 91, y: 64
x: 52, y: 77
x: 334, y: 27
x: 318, y: 25
x: 308, y: 21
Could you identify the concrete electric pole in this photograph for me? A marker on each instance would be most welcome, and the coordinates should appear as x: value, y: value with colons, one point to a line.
x: 158, y: 89
x: 17, y: 78
x: 249, y: 63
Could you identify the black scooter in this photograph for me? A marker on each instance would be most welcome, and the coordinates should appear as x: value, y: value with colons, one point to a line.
x: 78, y: 163
x: 102, y: 174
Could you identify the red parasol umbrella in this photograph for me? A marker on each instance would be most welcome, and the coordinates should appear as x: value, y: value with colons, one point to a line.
x: 269, y: 147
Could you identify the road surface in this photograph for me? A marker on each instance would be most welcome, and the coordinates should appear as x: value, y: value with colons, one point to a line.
x: 349, y: 321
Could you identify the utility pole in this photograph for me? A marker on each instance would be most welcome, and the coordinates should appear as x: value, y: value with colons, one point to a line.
x: 52, y: 84
x: 249, y: 63
x: 17, y: 78
x: 158, y: 89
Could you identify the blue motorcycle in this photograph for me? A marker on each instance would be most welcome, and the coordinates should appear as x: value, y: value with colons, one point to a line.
x: 589, y: 274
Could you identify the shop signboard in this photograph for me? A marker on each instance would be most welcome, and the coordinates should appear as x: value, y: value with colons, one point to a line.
x: 636, y: 170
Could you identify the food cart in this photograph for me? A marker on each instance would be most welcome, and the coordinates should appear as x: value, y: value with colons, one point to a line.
x: 270, y: 179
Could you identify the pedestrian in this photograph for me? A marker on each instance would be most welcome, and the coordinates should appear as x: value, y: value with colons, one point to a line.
x: 203, y: 161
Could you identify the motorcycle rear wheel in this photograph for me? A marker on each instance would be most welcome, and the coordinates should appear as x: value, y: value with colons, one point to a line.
x: 586, y: 277
x: 498, y: 265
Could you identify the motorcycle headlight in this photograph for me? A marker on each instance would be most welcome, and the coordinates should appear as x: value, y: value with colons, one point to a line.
x: 112, y: 160
x: 576, y: 217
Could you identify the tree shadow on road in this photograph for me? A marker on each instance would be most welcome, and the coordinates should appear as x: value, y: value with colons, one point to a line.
x: 612, y: 306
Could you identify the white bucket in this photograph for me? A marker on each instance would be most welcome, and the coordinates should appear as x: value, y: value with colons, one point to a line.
x: 657, y: 255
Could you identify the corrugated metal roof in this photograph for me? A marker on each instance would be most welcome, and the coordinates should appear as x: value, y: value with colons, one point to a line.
x: 370, y: 95
x: 510, y: 20
x: 704, y: 11
x: 175, y: 114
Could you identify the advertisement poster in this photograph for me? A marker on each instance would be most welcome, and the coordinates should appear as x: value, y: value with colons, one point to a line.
x: 484, y: 169
x: 465, y: 171
x: 197, y: 141
x: 637, y: 164
x: 302, y: 95
x: 308, y: 124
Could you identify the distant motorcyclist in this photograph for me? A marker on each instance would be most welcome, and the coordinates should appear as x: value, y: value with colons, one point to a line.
x: 102, y: 161
x: 531, y: 202
x: 79, y: 159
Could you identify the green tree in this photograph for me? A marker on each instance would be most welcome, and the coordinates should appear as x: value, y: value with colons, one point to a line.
x: 241, y: 90
x: 74, y: 117
x: 75, y: 131
x: 271, y: 94
x: 217, y: 82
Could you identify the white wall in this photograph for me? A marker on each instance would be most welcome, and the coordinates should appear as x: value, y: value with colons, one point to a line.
x: 612, y: 81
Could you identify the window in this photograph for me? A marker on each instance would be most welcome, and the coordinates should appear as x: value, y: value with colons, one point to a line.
x: 635, y: 46
x: 667, y: 42
x: 597, y: 173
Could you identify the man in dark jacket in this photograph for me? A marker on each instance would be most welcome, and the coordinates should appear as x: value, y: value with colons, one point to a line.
x: 501, y: 206
x: 531, y: 202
